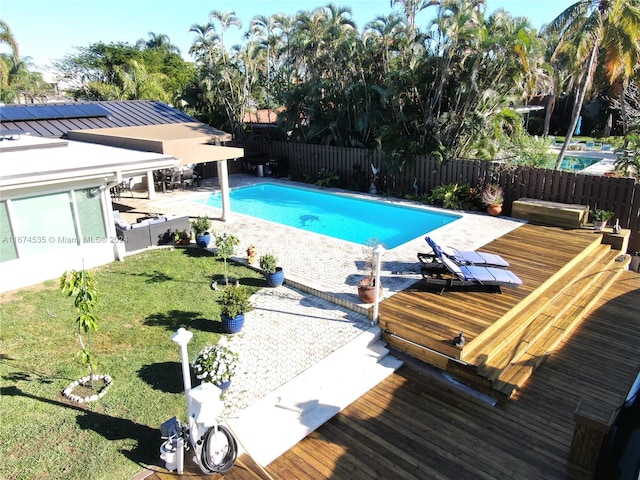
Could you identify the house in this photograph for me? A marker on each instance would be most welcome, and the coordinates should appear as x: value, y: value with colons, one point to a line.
x: 58, y: 163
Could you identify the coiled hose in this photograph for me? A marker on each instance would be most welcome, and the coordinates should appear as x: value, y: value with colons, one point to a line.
x: 229, y: 458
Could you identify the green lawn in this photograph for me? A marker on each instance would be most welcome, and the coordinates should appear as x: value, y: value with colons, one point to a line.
x: 143, y: 301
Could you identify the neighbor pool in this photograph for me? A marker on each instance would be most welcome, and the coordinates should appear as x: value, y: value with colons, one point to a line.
x: 576, y: 163
x: 340, y: 216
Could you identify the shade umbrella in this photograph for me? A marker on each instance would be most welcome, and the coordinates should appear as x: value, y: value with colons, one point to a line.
x: 578, y: 125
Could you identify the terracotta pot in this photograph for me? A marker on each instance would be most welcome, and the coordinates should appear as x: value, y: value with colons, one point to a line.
x: 367, y: 292
x: 494, y: 210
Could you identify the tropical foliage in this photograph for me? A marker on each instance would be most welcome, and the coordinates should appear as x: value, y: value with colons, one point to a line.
x: 18, y: 81
x: 448, y: 87
x: 149, y: 70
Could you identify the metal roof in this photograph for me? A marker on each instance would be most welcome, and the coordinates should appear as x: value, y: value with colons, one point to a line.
x: 56, y: 119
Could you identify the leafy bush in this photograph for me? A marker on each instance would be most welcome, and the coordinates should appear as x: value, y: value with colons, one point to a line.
x: 454, y: 196
x: 268, y: 263
x: 201, y: 224
x: 327, y: 178
x: 235, y: 301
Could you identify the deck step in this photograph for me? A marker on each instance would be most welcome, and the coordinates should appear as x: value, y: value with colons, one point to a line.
x: 484, y: 351
x: 276, y: 422
x: 516, y: 373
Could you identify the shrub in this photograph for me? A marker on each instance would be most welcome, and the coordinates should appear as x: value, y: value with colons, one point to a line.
x: 235, y: 301
x: 268, y: 263
x: 201, y: 224
x: 454, y: 196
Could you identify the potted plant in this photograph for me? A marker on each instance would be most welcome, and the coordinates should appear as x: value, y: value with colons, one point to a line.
x: 181, y: 237
x: 272, y: 273
x: 492, y: 197
x: 225, y: 246
x: 215, y: 364
x: 235, y: 303
x: 367, y: 286
x: 600, y: 218
x: 201, y: 226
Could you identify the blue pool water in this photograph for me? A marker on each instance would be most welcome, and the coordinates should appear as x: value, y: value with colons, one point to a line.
x: 575, y: 164
x: 339, y: 216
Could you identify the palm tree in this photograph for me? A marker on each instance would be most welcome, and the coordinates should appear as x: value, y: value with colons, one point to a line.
x: 206, y: 41
x: 383, y: 34
x: 158, y: 41
x: 227, y: 20
x: 586, y: 25
x: 621, y: 44
x: 7, y: 61
x: 7, y: 37
x: 411, y: 8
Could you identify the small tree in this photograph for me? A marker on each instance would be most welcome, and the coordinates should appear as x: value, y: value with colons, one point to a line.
x: 225, y: 245
x: 81, y: 285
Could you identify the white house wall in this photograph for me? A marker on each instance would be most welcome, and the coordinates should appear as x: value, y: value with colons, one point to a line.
x: 35, y: 167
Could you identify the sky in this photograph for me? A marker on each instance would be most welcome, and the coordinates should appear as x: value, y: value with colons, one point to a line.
x: 47, y: 30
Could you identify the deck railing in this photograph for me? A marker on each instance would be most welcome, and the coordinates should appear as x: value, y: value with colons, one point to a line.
x: 620, y: 195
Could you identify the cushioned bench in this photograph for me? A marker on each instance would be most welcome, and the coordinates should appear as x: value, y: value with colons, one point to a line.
x: 149, y: 232
x: 550, y: 213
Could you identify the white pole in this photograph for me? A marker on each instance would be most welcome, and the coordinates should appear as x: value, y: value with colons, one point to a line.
x: 223, y: 179
x: 182, y: 337
x: 378, y: 251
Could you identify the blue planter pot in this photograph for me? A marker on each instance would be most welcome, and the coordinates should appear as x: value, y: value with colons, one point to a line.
x: 203, y: 239
x: 275, y: 279
x: 223, y: 385
x: 232, y: 325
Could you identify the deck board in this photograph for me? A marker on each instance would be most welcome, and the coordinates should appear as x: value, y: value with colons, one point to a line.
x: 538, y: 255
x: 451, y: 435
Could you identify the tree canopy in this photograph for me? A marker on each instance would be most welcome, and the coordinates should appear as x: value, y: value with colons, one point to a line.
x: 450, y: 87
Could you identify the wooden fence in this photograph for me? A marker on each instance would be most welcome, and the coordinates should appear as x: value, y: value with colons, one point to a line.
x: 353, y: 166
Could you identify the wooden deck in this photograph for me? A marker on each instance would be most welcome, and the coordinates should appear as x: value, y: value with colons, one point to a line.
x: 564, y: 272
x: 417, y: 424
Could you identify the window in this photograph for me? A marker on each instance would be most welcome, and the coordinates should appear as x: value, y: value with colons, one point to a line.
x: 90, y: 215
x: 48, y: 222
x: 44, y: 223
x: 7, y: 244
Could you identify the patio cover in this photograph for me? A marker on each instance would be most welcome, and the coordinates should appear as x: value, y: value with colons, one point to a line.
x: 34, y: 163
x: 191, y: 142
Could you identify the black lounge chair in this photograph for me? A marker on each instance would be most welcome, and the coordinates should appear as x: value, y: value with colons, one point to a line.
x: 451, y: 275
x: 460, y: 257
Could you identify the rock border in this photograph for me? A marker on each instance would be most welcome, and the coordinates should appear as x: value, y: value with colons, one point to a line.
x: 68, y: 392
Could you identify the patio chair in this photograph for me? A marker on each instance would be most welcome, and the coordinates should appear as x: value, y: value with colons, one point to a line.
x: 460, y: 257
x: 175, y: 180
x: 189, y: 179
x: 470, y: 276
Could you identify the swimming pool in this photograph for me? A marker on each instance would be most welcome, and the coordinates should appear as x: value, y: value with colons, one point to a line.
x: 577, y: 163
x: 340, y: 216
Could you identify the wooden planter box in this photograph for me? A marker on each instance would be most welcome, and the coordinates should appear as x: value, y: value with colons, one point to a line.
x: 550, y: 213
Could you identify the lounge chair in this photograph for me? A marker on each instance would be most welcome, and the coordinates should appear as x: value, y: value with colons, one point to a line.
x: 460, y: 257
x: 470, y: 276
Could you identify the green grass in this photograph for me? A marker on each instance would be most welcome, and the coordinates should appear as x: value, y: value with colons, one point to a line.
x: 143, y: 301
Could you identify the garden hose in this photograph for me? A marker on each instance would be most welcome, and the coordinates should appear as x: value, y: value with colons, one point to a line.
x: 230, y: 457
